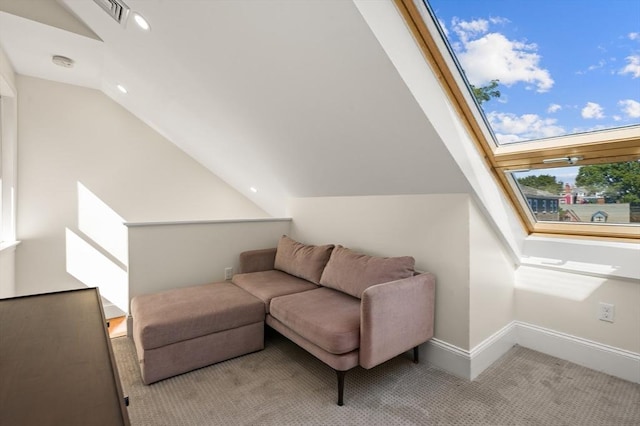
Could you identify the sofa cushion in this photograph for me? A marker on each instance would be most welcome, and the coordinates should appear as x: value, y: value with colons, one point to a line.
x: 266, y: 285
x: 328, y: 318
x: 302, y: 260
x: 353, y: 272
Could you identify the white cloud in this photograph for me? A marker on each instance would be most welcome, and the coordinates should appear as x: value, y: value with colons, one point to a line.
x: 634, y: 36
x: 601, y: 63
x: 512, y: 128
x: 507, y: 139
x: 595, y: 128
x: 633, y: 67
x: 592, y: 110
x: 466, y: 29
x: 630, y: 107
x: 554, y: 108
x: 489, y: 56
x: 499, y: 20
x: 444, y: 27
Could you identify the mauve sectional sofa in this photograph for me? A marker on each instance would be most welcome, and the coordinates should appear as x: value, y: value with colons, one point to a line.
x: 345, y: 308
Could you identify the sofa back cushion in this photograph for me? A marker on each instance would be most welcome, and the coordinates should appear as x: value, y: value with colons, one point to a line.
x: 302, y: 260
x: 353, y: 273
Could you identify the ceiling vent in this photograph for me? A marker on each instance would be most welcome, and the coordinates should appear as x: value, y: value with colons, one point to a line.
x: 115, y: 8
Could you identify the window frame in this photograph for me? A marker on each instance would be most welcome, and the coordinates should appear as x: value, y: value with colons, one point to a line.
x: 606, y: 146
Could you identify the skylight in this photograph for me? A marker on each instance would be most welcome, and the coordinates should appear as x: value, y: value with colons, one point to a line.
x: 550, y: 94
x: 547, y: 69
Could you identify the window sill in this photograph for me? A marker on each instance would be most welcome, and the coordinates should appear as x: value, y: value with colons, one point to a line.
x: 601, y: 258
x: 8, y: 245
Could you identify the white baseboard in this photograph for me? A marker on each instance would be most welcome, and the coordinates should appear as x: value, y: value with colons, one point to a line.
x: 448, y: 357
x: 597, y: 356
x: 469, y: 364
x: 492, y: 349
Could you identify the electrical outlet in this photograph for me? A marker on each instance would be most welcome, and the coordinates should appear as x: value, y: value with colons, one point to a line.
x: 228, y: 273
x: 606, y: 312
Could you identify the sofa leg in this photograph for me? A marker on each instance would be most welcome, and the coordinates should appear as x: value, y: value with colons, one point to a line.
x: 341, y: 375
x: 416, y: 354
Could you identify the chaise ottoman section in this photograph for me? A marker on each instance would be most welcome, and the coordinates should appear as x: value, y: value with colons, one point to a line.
x: 179, y: 330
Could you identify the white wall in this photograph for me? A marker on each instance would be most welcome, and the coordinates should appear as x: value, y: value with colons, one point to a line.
x: 70, y: 135
x: 608, y: 272
x: 434, y: 229
x: 572, y: 308
x: 167, y: 256
x: 47, y: 12
x: 7, y: 73
x: 398, y: 42
x: 491, y: 278
x: 7, y: 272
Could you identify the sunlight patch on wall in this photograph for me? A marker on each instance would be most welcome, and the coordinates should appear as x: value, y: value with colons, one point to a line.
x: 102, y: 224
x: 94, y: 269
x: 556, y: 283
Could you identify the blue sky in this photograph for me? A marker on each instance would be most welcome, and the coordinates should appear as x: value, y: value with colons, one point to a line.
x: 565, y: 66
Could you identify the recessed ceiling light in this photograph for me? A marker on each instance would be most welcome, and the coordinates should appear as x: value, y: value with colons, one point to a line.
x: 253, y: 189
x: 122, y: 88
x: 142, y: 23
x: 62, y: 61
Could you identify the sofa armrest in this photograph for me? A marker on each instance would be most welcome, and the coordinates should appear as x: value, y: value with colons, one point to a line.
x: 257, y: 260
x: 395, y: 317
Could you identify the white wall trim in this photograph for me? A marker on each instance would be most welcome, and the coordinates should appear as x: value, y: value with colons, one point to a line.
x: 9, y: 245
x: 206, y: 222
x: 492, y: 349
x: 448, y: 357
x: 469, y: 364
x: 596, y: 356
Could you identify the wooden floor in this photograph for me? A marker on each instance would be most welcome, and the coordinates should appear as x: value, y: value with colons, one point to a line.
x: 118, y: 327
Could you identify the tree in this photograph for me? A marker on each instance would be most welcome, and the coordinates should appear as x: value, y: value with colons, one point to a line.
x: 544, y: 182
x: 485, y: 93
x: 619, y: 182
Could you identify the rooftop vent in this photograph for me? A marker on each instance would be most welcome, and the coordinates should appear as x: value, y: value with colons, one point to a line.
x: 115, y: 8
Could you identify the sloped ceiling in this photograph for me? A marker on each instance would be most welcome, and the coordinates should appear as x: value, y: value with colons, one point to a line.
x: 296, y: 99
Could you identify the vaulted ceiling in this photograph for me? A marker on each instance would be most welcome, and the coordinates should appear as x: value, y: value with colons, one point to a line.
x: 295, y: 99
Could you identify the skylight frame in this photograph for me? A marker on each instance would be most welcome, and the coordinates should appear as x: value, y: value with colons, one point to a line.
x: 611, y: 145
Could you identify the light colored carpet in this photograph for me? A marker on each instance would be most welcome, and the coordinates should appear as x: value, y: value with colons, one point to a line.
x: 284, y: 385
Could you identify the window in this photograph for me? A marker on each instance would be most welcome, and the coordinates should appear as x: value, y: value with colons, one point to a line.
x: 548, y: 107
x: 596, y: 193
x: 8, y: 161
x: 3, y: 203
x: 2, y: 236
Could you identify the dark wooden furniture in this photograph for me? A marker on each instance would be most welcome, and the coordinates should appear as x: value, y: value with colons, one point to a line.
x: 56, y: 362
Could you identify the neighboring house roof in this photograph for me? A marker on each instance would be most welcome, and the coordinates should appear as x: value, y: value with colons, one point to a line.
x: 572, y: 216
x: 614, y: 213
x: 531, y: 192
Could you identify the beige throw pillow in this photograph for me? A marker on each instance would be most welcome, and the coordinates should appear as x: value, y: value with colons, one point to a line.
x: 353, y: 273
x: 302, y: 260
